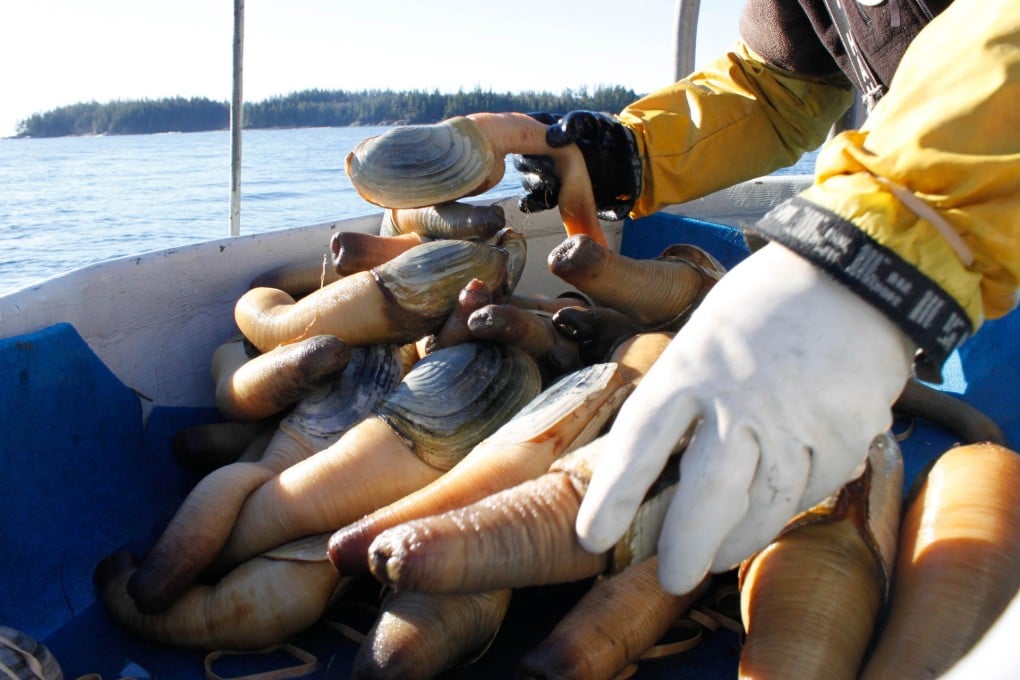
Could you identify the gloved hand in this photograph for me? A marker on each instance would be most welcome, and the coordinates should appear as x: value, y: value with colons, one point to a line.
x: 788, y: 376
x: 610, y: 155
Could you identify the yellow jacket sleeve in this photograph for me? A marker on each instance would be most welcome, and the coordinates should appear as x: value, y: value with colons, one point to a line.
x: 947, y: 132
x: 737, y: 119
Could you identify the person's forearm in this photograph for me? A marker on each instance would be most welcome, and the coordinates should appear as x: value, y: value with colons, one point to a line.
x: 734, y: 120
x: 933, y: 173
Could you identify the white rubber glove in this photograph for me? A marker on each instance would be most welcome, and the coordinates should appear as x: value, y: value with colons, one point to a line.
x: 789, y: 376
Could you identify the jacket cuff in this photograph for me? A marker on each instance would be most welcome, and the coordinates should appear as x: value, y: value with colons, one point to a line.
x: 928, y: 315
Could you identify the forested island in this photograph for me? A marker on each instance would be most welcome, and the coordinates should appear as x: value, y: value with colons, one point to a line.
x: 309, y: 108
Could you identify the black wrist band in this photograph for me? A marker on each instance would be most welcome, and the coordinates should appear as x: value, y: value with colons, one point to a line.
x: 917, y: 305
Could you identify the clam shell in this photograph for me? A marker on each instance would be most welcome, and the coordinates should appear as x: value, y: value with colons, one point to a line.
x: 810, y: 600
x: 879, y: 523
x: 457, y: 396
x: 412, y: 166
x: 641, y: 540
x: 325, y: 414
x: 23, y: 658
x: 696, y: 256
x: 427, y: 279
x: 884, y: 502
x: 308, y: 549
x: 447, y: 220
x: 516, y: 247
x: 558, y: 401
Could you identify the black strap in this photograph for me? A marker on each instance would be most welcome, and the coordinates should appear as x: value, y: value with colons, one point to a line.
x: 871, y: 85
x: 872, y: 88
x: 916, y: 304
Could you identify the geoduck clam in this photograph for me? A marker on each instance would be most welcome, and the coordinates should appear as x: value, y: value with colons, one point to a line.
x: 476, y: 296
x: 356, y: 251
x: 519, y: 537
x: 419, y: 635
x: 958, y: 564
x: 533, y: 332
x: 202, y: 524
x: 448, y: 402
x: 655, y: 293
x: 329, y: 411
x: 566, y: 415
x: 253, y: 388
x: 398, y: 301
x: 261, y: 602
x: 810, y: 600
x: 611, y: 627
x: 455, y: 219
x: 455, y: 398
x: 413, y: 166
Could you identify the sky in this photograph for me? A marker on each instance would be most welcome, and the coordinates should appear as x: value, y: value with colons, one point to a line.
x: 61, y: 52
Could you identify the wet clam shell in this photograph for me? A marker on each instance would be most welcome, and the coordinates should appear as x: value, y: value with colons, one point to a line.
x: 457, y: 396
x: 324, y: 415
x: 24, y: 658
x: 640, y: 540
x: 427, y: 279
x: 567, y: 395
x: 447, y: 220
x: 412, y: 166
x: 516, y: 246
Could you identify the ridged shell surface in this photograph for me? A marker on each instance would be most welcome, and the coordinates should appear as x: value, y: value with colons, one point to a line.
x: 23, y: 658
x: 447, y: 220
x: 557, y: 402
x: 427, y: 279
x: 324, y: 415
x: 411, y: 166
x: 457, y: 396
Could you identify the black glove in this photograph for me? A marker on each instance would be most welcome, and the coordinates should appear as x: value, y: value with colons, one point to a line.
x: 610, y: 155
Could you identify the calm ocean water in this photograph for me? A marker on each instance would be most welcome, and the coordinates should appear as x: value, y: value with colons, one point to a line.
x: 73, y: 201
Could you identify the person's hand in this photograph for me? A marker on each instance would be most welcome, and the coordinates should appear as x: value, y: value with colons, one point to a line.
x: 610, y: 155
x: 787, y: 376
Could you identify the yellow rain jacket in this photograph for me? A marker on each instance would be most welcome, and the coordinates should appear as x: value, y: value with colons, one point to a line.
x: 918, y: 211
